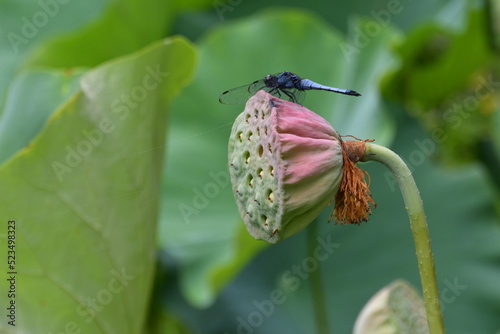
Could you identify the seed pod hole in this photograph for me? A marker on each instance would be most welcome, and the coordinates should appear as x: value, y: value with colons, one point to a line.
x: 246, y: 156
x: 263, y: 218
x: 250, y: 180
x: 271, y: 170
x: 256, y: 113
x: 261, y: 151
x: 247, y: 118
x: 265, y: 130
x: 260, y: 173
x: 269, y: 148
x: 270, y: 195
x: 249, y: 135
x: 258, y: 131
x: 240, y: 136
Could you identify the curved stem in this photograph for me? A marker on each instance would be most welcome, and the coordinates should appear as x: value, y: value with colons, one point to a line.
x: 317, y: 289
x: 419, y: 229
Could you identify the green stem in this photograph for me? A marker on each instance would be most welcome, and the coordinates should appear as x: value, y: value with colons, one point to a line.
x: 318, y: 293
x: 419, y: 228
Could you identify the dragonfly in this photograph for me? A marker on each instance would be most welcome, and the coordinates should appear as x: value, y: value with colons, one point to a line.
x: 285, y: 84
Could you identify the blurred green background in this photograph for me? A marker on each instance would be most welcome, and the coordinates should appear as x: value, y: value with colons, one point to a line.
x: 150, y: 195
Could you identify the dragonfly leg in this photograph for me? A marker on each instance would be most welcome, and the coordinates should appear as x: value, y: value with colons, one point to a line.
x: 275, y: 92
x: 290, y: 95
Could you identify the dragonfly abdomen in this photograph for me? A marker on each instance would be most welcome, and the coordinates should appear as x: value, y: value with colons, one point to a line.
x: 307, y: 84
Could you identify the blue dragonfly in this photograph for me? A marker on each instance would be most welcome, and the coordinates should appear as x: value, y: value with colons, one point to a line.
x: 285, y: 84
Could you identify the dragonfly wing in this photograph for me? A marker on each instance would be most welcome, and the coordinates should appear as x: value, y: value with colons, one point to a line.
x: 240, y: 95
x: 255, y: 86
x: 236, y: 95
x: 300, y: 96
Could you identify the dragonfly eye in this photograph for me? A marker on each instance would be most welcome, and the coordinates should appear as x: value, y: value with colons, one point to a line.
x: 270, y: 81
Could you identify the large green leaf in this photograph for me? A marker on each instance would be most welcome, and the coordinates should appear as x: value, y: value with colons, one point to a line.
x: 23, y: 118
x: 200, y: 226
x: 84, y: 196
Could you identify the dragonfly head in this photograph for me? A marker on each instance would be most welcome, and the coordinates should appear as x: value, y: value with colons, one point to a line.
x: 270, y: 80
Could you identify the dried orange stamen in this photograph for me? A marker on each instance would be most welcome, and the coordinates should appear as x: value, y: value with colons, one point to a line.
x: 353, y: 199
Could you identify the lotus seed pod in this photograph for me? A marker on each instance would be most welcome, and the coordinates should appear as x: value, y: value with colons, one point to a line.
x: 397, y: 308
x: 285, y: 166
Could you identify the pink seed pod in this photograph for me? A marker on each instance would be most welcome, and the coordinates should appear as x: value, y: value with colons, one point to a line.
x: 286, y: 165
